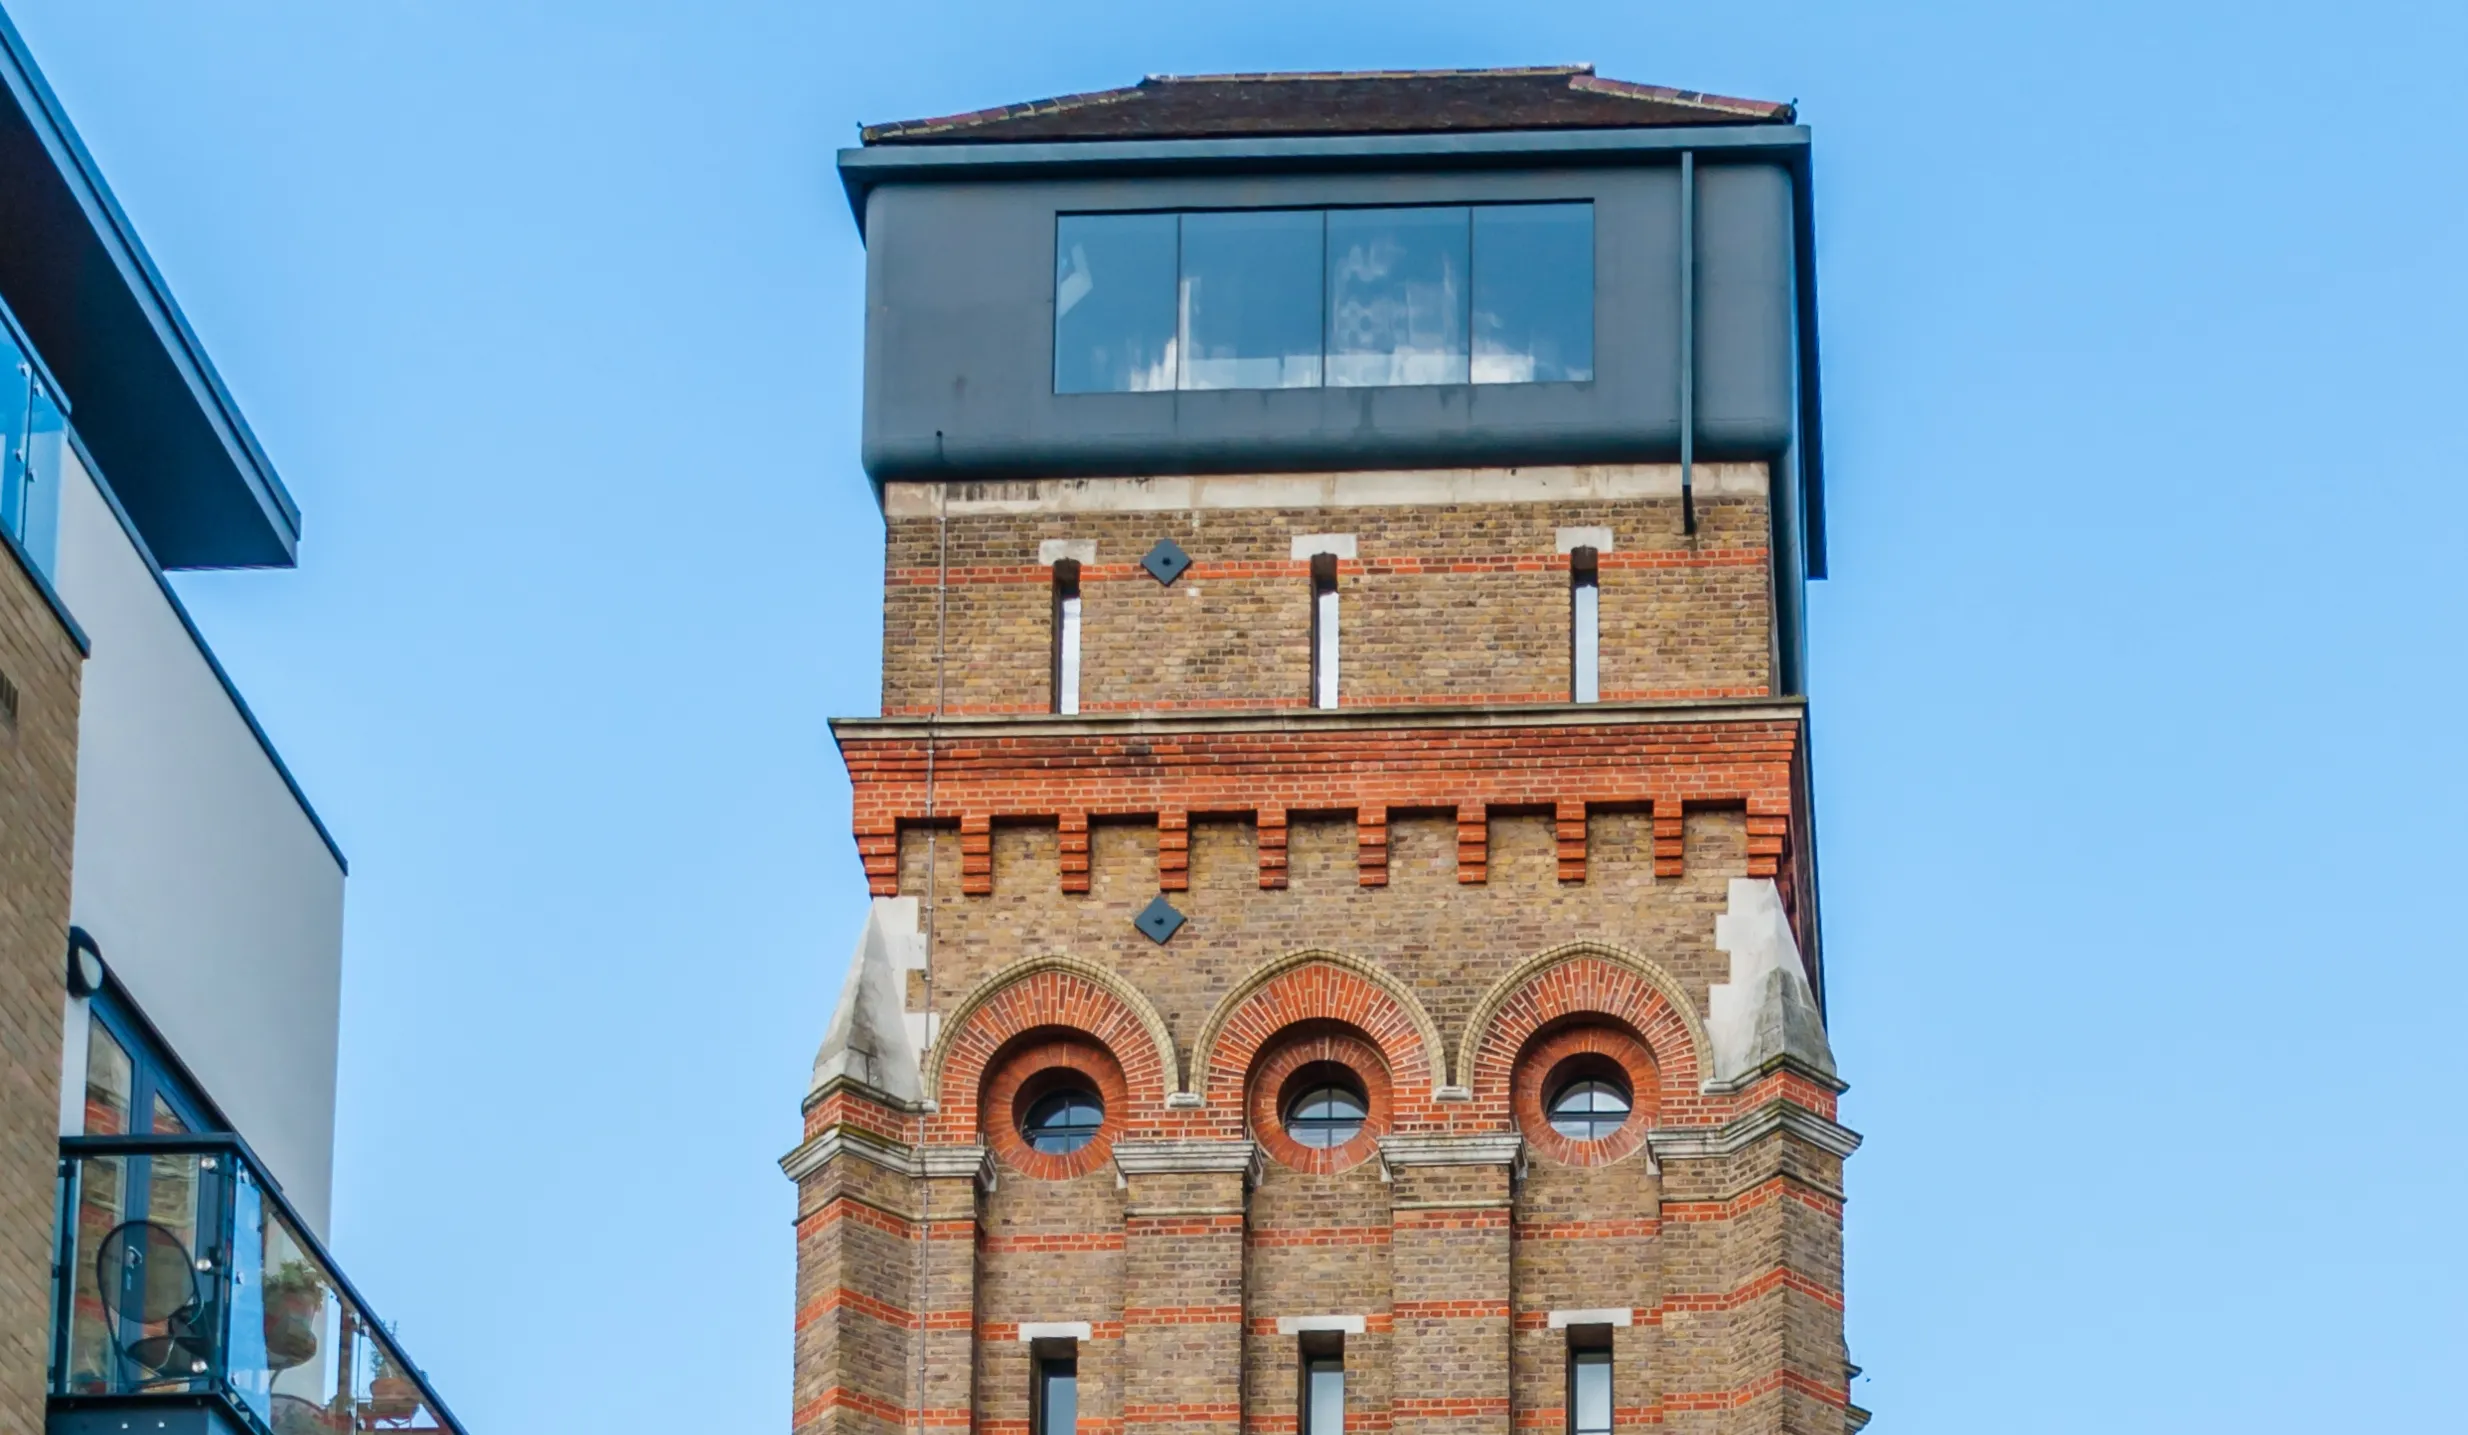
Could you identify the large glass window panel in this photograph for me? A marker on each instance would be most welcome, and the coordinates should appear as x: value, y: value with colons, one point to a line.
x: 1398, y: 292
x: 1589, y: 1380
x: 1058, y: 1396
x: 1533, y: 293
x: 1324, y: 1395
x: 1251, y: 299
x: 1113, y: 303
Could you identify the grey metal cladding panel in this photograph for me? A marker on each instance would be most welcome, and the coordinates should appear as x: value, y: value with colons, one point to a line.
x: 959, y: 344
x: 1744, y: 395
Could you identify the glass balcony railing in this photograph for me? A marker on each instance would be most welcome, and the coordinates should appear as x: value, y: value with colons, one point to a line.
x: 33, y: 431
x: 184, y: 1276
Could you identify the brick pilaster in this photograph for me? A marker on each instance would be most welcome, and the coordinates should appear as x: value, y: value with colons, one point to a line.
x: 1183, y: 1298
x: 1751, y: 1316
x: 1449, y: 1283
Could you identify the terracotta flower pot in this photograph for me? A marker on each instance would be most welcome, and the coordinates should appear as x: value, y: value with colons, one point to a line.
x: 291, y: 1327
x: 393, y: 1397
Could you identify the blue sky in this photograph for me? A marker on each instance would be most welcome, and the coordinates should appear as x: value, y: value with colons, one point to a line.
x: 2137, y: 684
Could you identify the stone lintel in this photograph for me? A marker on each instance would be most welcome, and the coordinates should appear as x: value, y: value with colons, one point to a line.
x: 840, y: 1140
x: 1489, y: 1149
x: 1141, y: 1158
x: 1774, y: 1118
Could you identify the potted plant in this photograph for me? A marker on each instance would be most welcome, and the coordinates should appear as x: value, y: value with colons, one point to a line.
x: 295, y: 1297
x: 391, y: 1393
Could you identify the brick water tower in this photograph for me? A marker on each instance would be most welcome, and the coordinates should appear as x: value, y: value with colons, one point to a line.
x: 1344, y: 951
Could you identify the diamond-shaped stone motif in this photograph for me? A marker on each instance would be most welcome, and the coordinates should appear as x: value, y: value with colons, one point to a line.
x: 1158, y: 920
x: 1165, y: 563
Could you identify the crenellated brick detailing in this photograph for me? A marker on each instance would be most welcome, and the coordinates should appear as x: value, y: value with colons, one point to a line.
x: 1473, y: 842
x: 1670, y: 839
x: 1769, y: 836
x: 1371, y: 846
x: 1569, y: 819
x: 976, y: 854
x: 1097, y: 769
x: 1173, y: 851
x: 1071, y: 839
x: 1271, y: 829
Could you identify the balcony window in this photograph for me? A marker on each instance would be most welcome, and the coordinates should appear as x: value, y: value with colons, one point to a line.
x: 132, y: 1086
x: 1299, y: 298
x: 185, y: 1277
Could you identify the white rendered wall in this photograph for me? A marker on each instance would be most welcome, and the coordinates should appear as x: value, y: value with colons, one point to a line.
x: 207, y: 886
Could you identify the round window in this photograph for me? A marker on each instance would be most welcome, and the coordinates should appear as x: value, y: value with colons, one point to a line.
x: 1326, y: 1113
x: 1590, y: 1107
x: 1063, y: 1120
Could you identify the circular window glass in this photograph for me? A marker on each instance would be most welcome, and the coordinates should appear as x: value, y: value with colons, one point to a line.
x: 1063, y: 1120
x: 1590, y: 1108
x: 1325, y: 1114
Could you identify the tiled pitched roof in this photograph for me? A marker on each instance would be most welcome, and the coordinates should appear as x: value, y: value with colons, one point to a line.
x: 1546, y: 97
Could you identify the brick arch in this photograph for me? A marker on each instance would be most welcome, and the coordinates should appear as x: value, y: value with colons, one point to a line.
x: 1583, y: 979
x: 1314, y: 985
x: 1045, y: 993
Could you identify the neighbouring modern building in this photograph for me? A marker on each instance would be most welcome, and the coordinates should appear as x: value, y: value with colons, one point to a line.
x: 171, y: 908
x: 1344, y: 950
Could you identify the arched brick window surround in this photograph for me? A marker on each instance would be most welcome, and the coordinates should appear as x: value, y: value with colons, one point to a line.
x: 1543, y: 1068
x: 1026, y: 1070
x: 1044, y: 994
x: 1307, y: 1045
x: 1557, y: 987
x: 1312, y: 988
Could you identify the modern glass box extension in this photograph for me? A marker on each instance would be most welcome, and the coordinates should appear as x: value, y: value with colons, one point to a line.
x: 1299, y: 298
x: 1194, y: 307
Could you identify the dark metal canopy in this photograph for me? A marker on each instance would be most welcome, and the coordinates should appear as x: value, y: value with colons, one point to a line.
x: 145, y: 398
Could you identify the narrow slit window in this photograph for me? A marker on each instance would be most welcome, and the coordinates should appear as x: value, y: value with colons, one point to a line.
x: 1324, y: 630
x: 1067, y: 635
x: 1058, y: 1395
x: 1323, y: 1393
x: 1584, y: 626
x: 1589, y: 1389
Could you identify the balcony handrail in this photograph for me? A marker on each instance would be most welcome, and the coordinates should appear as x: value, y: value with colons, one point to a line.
x: 230, y: 1143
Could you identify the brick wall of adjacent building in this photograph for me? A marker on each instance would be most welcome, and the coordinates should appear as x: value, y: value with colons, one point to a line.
x: 38, y: 783
x: 1439, y: 900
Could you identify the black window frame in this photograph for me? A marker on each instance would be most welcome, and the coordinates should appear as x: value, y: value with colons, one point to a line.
x: 1589, y: 1346
x: 1050, y: 1363
x: 1316, y: 1352
x: 153, y: 1069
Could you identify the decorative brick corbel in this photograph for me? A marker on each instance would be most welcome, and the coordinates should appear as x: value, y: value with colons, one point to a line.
x: 1371, y: 846
x: 878, y: 847
x: 1670, y: 839
x: 1571, y: 824
x: 976, y: 854
x: 1272, y: 849
x: 1071, y: 841
x: 1173, y: 852
x: 1473, y: 842
x: 1769, y: 832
